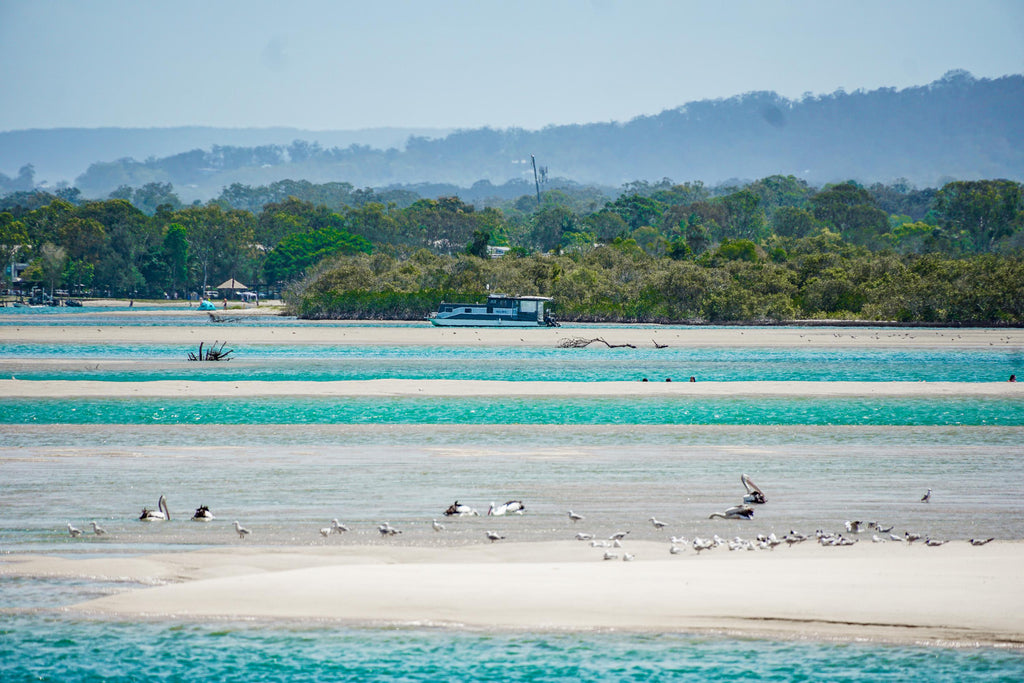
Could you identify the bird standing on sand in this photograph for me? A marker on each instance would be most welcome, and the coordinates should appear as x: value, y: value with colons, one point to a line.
x: 97, y: 529
x: 337, y: 527
x: 436, y: 525
x: 657, y: 524
x: 927, y: 497
x: 241, y: 530
x: 618, y: 536
x: 74, y: 531
x: 386, y: 529
x: 574, y: 516
x: 493, y: 536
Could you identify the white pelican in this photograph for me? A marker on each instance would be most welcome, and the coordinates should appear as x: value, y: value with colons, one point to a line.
x: 202, y: 514
x: 74, y: 531
x: 161, y: 514
x: 927, y: 497
x: 460, y: 510
x: 437, y: 526
x: 97, y: 529
x: 575, y: 517
x: 981, y: 541
x: 735, y: 512
x: 754, y: 494
x: 494, y: 536
x: 241, y: 530
x: 512, y: 507
x: 657, y: 524
x: 337, y: 527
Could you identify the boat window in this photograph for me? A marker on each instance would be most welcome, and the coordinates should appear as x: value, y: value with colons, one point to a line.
x: 468, y: 310
x: 528, y: 306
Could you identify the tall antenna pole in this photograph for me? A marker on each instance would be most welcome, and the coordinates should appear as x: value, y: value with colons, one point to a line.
x: 535, y: 181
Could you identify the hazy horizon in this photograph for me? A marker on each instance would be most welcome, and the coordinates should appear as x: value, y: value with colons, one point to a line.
x: 325, y: 66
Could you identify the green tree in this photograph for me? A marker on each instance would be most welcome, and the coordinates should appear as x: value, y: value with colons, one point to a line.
x: 13, y: 238
x: 176, y: 254
x: 984, y: 210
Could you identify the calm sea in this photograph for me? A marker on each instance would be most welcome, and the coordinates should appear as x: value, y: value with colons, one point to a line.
x: 285, y: 467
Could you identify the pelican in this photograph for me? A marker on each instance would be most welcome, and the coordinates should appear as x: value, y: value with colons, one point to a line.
x: 657, y: 524
x: 161, y: 514
x: 337, y: 527
x: 241, y: 530
x: 512, y: 507
x: 202, y: 514
x: 460, y: 510
x: 981, y: 541
x: 754, y: 494
x: 494, y: 536
x: 74, y: 531
x: 437, y: 526
x: 97, y: 529
x: 575, y: 517
x: 735, y: 512
x: 927, y: 497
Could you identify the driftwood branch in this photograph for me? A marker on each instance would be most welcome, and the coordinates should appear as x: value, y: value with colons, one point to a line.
x: 659, y: 346
x: 580, y: 342
x: 212, y: 353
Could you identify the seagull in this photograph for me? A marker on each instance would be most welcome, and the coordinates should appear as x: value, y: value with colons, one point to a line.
x: 386, y: 529
x: 97, y: 529
x: 617, y: 543
x: 678, y: 540
x: 74, y: 531
x: 735, y: 512
x: 981, y: 541
x: 657, y: 524
x: 674, y: 549
x: 610, y: 555
x: 618, y: 536
x: 574, y: 516
x: 494, y: 536
x: 911, y: 537
x: 932, y: 543
x: 242, y: 531
x: 337, y: 527
x: 875, y: 538
x: 927, y: 497
x: 326, y: 531
x: 628, y: 557
x: 896, y: 537
x: 700, y: 544
x: 854, y: 527
x: 584, y: 537
x: 437, y: 526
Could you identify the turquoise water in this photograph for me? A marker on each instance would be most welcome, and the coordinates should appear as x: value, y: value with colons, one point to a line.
x: 44, y: 648
x: 654, y: 410
x: 285, y: 466
x: 143, y: 362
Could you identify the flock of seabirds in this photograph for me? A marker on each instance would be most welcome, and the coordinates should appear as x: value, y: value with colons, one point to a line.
x: 753, y: 496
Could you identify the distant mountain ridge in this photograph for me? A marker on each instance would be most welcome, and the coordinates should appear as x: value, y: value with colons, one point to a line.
x: 958, y: 127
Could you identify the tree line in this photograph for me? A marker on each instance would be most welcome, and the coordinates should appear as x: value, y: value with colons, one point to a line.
x: 775, y: 248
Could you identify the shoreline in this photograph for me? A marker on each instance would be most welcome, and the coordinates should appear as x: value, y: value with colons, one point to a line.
x: 867, y: 592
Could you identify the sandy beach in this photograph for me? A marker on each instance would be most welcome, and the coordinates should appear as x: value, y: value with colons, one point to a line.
x: 954, y: 594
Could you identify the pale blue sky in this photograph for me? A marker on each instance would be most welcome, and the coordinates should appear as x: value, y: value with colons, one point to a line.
x: 454, y: 63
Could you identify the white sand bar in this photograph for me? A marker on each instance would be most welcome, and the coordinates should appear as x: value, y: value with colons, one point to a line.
x: 423, y: 334
x: 952, y: 594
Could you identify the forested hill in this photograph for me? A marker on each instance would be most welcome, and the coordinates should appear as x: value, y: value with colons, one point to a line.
x: 957, y: 127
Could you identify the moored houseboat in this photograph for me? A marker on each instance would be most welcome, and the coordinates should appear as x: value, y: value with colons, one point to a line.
x: 500, y: 310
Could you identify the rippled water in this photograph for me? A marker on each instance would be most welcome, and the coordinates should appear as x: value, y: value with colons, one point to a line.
x: 286, y: 466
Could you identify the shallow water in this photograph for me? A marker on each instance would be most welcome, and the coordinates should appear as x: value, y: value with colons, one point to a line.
x: 285, y: 467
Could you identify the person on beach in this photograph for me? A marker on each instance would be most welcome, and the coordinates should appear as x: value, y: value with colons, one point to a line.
x: 1013, y: 378
x: 692, y: 378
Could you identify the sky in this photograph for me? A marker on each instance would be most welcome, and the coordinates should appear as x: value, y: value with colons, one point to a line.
x: 346, y: 65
